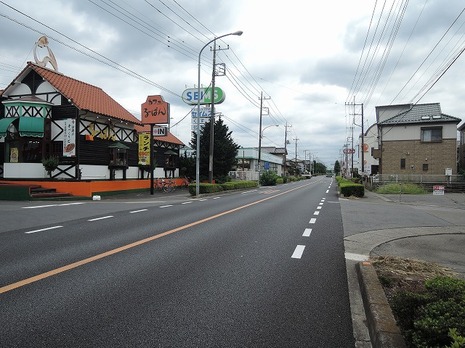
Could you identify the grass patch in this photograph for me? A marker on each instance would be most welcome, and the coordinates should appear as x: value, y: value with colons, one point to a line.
x: 405, y: 188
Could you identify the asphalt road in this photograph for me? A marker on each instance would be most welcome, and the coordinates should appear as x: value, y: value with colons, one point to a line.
x: 260, y: 268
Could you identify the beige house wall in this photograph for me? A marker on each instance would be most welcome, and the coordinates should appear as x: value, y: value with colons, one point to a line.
x: 438, y: 156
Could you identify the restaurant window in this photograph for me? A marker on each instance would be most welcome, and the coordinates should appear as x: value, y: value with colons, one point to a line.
x: 425, y: 167
x: 25, y: 150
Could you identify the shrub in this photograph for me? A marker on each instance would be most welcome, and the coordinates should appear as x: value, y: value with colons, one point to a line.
x: 434, y: 318
x: 50, y: 164
x: 348, y: 188
x: 457, y: 340
x: 212, y: 188
x: 268, y: 178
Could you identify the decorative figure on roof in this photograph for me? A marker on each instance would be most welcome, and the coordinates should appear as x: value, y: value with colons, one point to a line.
x: 50, y: 58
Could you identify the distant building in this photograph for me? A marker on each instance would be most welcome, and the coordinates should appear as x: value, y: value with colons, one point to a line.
x: 416, y: 139
x: 370, y: 144
x: 247, y: 167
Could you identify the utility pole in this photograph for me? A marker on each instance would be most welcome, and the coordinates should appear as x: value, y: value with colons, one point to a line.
x: 362, y: 136
x: 260, y: 136
x: 296, y: 140
x: 305, y: 159
x: 212, y: 114
x: 285, y: 148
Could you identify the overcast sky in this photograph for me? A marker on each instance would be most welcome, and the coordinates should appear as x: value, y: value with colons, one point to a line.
x: 309, y: 58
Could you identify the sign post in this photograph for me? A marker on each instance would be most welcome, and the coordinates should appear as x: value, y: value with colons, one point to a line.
x: 154, y: 111
x: 438, y: 190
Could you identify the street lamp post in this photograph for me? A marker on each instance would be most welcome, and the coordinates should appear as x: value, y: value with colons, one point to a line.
x: 260, y: 136
x: 197, y: 159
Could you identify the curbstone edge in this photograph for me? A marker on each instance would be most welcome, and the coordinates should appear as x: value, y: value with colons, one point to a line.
x: 384, y: 332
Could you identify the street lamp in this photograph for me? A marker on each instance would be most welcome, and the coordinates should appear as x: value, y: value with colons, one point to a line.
x: 197, y: 160
x: 260, y: 136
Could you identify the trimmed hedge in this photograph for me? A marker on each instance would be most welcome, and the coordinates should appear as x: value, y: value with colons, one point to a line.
x: 348, y: 188
x: 227, y: 186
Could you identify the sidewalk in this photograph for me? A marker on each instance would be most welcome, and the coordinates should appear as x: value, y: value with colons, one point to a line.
x: 423, y: 227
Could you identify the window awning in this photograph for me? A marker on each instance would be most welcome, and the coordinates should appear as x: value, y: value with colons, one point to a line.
x: 5, y: 124
x: 31, y: 126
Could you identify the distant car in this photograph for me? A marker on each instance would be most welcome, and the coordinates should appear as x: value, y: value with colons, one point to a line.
x: 329, y: 175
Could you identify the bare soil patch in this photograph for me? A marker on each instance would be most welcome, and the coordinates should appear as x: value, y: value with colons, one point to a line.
x: 399, y: 274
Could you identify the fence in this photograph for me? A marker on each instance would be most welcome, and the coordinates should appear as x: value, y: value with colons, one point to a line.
x: 416, y: 178
x: 244, y: 175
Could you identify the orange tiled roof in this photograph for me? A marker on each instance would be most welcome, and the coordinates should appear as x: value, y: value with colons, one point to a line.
x: 84, y: 95
x: 169, y: 138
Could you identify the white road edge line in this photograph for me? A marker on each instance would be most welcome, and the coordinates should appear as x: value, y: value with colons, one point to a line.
x: 101, y: 218
x: 299, y: 250
x: 44, y: 229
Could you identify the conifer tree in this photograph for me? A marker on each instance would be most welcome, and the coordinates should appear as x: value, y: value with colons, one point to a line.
x: 224, y: 150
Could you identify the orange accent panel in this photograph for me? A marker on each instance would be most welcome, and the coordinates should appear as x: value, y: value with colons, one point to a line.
x: 89, y: 188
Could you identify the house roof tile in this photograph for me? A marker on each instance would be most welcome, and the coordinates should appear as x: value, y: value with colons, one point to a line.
x: 420, y: 113
x: 85, y: 96
x: 91, y: 98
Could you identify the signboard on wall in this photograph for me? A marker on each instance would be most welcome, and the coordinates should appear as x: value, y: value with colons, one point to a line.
x: 69, y: 136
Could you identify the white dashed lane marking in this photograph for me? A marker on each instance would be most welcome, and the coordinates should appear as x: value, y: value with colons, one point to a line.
x: 101, y: 218
x: 307, y: 232
x: 299, y: 250
x: 137, y: 211
x: 44, y: 229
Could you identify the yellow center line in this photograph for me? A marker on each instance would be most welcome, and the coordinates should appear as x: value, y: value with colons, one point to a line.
x: 83, y: 262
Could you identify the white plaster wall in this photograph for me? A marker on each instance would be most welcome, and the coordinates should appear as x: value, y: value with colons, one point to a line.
x: 413, y: 132
x: 24, y: 171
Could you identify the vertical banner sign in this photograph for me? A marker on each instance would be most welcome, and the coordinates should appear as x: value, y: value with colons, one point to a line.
x: 69, y: 136
x: 155, y: 110
x: 144, y: 149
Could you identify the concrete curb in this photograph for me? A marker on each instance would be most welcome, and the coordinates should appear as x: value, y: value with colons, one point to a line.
x: 384, y: 332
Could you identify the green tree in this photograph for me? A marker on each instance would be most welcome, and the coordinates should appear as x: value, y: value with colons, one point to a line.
x: 224, y: 150
x: 50, y: 164
x: 319, y: 168
x: 187, y: 166
x: 337, y: 168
